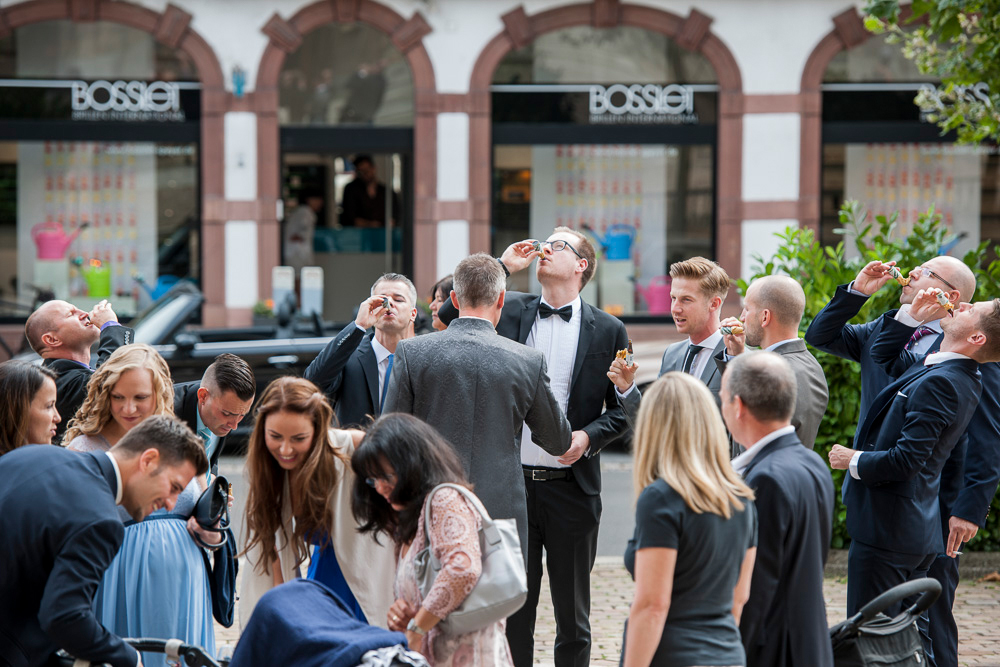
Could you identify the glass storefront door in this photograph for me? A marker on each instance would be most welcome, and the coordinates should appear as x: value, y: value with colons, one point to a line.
x: 359, y: 206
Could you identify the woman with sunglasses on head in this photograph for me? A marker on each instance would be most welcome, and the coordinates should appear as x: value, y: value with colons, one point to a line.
x: 28, y: 414
x: 300, y: 483
x: 399, y: 462
x: 157, y: 584
x: 695, y: 538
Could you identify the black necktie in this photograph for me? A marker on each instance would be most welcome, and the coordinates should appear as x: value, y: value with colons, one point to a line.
x: 692, y: 352
x: 545, y: 310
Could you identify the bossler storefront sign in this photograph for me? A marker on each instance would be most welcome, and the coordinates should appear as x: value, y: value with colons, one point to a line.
x: 104, y: 100
x: 642, y: 104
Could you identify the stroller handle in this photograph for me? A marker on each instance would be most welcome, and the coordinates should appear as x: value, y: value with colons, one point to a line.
x: 193, y: 656
x: 931, y: 589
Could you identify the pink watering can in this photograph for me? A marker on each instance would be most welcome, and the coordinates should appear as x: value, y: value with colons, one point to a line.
x: 52, y: 240
x: 656, y: 295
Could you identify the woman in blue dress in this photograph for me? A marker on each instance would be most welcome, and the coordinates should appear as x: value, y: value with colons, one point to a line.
x: 300, y: 481
x: 157, y: 584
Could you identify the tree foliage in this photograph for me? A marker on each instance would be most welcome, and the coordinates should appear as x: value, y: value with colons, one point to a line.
x: 820, y: 269
x: 958, y: 41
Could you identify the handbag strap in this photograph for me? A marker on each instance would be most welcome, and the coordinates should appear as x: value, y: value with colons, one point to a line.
x: 487, y: 529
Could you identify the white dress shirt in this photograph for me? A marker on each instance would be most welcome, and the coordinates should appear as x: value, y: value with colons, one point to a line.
x: 382, y: 356
x: 118, y: 479
x: 705, y: 353
x: 741, y: 462
x: 558, y: 341
x: 929, y: 360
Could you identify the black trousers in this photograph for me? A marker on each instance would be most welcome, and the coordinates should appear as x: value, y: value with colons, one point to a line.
x: 943, y: 630
x: 872, y: 571
x: 564, y: 520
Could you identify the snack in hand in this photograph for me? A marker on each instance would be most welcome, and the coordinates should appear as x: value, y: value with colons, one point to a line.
x: 944, y: 303
x: 735, y: 330
x: 385, y: 302
x: 626, y: 354
x: 898, y: 275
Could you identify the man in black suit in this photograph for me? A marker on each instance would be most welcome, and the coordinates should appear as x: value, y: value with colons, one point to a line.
x: 784, y: 620
x: 354, y: 368
x: 62, y: 335
x: 564, y: 502
x: 909, y: 432
x: 215, y: 405
x: 61, y: 529
x: 969, y: 478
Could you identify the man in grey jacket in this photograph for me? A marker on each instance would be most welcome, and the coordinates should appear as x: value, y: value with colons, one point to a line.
x: 479, y: 389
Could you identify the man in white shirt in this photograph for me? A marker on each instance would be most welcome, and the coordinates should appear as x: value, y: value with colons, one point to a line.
x: 784, y: 620
x: 772, y: 311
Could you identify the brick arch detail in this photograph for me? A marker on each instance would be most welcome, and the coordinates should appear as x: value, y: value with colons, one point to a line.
x: 692, y: 33
x: 848, y: 32
x: 172, y: 28
x: 407, y: 35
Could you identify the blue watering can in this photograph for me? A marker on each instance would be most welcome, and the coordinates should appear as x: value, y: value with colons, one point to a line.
x: 617, y: 242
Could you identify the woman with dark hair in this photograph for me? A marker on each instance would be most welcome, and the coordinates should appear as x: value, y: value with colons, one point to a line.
x: 399, y: 462
x: 28, y: 414
x: 300, y: 490
x: 440, y: 293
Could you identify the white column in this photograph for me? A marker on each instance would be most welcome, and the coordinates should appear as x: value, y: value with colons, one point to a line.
x: 453, y: 185
x: 241, y: 264
x: 771, y: 157
x: 758, y: 238
x: 241, y: 156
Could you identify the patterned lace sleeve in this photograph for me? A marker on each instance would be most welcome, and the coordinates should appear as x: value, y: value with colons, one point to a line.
x: 454, y: 535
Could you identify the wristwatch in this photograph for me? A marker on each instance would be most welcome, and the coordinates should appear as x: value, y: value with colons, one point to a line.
x: 413, y: 627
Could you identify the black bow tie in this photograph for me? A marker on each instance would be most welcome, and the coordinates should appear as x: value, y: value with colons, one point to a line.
x: 545, y: 310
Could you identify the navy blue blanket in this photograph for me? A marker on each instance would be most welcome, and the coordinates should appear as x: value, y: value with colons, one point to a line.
x: 304, y: 623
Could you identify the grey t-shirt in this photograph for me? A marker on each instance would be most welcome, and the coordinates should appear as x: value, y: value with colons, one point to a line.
x: 700, y: 628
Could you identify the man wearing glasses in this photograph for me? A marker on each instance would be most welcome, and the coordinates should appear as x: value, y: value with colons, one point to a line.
x: 579, y: 342
x: 965, y: 497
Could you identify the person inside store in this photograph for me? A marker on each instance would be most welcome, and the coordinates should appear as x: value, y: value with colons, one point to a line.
x: 157, y: 585
x: 300, y: 480
x: 57, y: 545
x: 440, y: 294
x: 62, y: 335
x: 363, y: 203
x: 397, y: 468
x: 299, y: 230
x: 694, y: 545
x: 28, y: 414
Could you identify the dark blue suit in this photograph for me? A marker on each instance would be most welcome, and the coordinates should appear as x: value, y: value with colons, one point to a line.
x: 967, y: 493
x: 784, y: 621
x: 347, y: 372
x: 60, y: 531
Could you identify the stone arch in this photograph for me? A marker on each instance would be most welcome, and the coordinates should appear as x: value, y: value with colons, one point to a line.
x: 172, y: 27
x: 692, y: 33
x: 407, y: 36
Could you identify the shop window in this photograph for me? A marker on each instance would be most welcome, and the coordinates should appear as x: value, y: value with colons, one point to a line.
x: 346, y: 74
x: 610, y: 132
x: 99, y: 167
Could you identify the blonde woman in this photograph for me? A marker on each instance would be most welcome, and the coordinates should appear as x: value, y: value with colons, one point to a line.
x: 131, y: 385
x: 157, y: 584
x: 693, y: 549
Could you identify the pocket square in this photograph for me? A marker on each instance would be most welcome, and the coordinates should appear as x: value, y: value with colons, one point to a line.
x: 899, y: 393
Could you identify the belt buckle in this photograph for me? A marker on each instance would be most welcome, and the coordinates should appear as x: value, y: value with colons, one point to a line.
x: 537, y: 475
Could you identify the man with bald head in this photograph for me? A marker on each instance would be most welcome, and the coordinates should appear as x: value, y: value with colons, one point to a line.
x: 62, y: 335
x: 772, y: 311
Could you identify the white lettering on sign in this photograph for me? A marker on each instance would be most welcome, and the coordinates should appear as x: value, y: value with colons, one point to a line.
x: 126, y: 100
x: 642, y: 103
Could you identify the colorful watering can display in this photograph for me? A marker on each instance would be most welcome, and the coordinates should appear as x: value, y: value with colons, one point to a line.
x: 98, y: 278
x: 617, y: 241
x: 52, y: 240
x: 656, y: 295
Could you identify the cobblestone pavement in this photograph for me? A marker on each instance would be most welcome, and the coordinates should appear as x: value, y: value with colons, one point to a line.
x: 977, y: 609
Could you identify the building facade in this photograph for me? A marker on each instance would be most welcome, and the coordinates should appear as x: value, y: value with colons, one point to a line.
x: 145, y: 142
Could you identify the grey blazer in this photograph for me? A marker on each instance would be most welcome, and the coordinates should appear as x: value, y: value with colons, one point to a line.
x: 813, y: 394
x: 673, y: 360
x: 478, y: 389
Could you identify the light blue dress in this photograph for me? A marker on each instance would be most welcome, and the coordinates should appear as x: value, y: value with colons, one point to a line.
x: 157, y: 585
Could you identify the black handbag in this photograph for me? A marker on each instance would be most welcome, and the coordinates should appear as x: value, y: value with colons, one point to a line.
x: 870, y: 638
x: 211, y: 511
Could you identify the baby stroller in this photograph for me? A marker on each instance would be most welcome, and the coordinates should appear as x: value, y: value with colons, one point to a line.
x: 871, y: 638
x: 174, y: 649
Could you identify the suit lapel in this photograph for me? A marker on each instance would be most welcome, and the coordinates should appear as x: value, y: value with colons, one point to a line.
x: 369, y: 364
x: 528, y: 314
x: 784, y: 442
x: 886, y: 397
x: 711, y: 368
x: 587, y: 326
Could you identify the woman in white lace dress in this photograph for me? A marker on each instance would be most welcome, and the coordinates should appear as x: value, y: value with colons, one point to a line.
x: 399, y: 462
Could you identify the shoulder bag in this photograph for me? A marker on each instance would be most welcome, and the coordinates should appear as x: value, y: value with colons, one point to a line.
x: 212, y: 513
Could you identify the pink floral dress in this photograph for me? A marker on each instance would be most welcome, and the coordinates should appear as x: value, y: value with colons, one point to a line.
x: 454, y: 535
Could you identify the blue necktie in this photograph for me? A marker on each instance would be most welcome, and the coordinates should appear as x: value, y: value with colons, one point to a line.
x: 385, y: 383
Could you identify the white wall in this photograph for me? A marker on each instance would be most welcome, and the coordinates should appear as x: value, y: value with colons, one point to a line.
x: 758, y: 238
x: 241, y: 155
x: 241, y: 264
x: 771, y: 157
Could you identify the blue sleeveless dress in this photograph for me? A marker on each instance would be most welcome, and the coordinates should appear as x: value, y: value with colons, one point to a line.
x: 324, y: 568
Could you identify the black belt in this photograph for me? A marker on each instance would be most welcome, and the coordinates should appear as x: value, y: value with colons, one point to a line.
x: 546, y: 474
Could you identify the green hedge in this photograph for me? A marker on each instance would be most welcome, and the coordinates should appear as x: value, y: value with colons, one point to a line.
x: 820, y: 269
